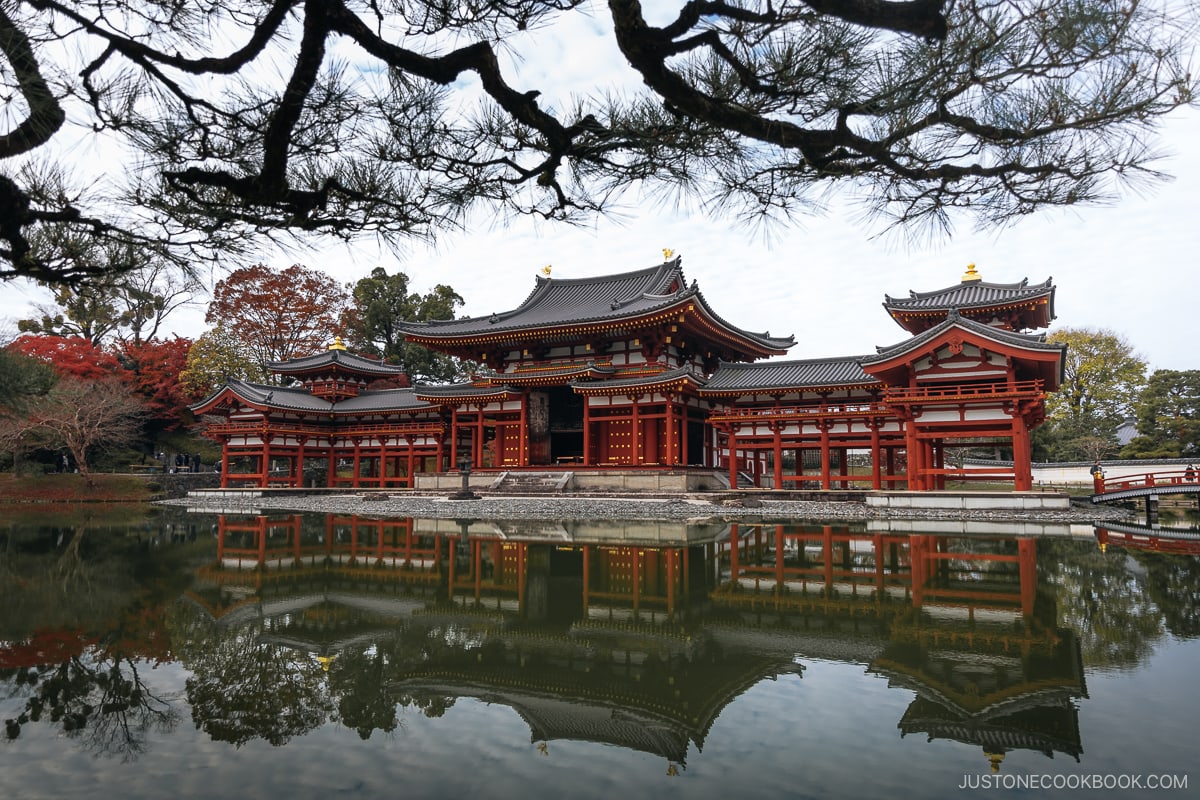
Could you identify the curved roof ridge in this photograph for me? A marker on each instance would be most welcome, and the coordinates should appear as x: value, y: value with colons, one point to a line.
x: 343, y: 358
x: 1036, y: 340
x: 1020, y: 286
x: 788, y: 362
x: 647, y: 283
x: 765, y: 337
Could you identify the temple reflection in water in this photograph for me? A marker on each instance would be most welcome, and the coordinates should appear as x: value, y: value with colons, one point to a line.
x: 638, y: 634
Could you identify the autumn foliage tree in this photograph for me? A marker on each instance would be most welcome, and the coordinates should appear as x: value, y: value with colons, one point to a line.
x: 86, y: 415
x: 278, y: 315
x: 72, y: 356
x: 1102, y: 376
x: 214, y: 358
x: 152, y: 370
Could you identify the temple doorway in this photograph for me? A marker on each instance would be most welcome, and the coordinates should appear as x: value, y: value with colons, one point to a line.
x: 555, y: 426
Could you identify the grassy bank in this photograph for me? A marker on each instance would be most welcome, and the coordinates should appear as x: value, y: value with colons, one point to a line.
x: 71, y: 488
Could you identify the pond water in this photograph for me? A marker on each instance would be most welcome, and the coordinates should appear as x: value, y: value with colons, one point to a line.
x: 204, y: 655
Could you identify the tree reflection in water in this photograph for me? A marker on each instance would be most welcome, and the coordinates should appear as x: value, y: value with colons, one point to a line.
x: 97, y: 700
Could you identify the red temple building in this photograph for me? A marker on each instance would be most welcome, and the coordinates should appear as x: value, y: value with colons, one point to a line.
x: 635, y: 372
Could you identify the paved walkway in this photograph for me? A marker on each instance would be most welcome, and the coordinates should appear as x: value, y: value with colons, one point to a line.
x: 580, y: 507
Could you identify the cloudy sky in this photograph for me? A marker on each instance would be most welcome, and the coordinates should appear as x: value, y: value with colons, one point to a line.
x: 1130, y: 267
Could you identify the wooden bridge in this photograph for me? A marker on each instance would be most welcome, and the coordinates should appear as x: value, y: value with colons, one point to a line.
x: 1147, y: 486
x: 1185, y: 541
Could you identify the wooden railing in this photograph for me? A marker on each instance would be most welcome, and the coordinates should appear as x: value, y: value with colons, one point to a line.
x: 866, y: 409
x: 943, y: 393
x: 1173, y: 478
x: 394, y: 429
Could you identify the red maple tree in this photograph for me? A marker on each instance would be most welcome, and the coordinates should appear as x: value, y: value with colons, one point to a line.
x: 72, y: 356
x: 279, y: 315
x: 153, y: 369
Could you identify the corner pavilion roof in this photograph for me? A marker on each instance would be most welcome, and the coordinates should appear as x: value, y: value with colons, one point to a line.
x: 1032, y: 344
x: 298, y: 399
x: 335, y: 359
x: 974, y: 298
x: 566, y: 303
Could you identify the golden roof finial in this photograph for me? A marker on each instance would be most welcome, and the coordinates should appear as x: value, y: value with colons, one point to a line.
x: 337, y: 344
x: 546, y: 270
x: 971, y: 274
x: 995, y: 758
x: 667, y: 253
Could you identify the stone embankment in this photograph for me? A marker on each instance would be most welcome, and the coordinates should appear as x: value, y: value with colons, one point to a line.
x: 583, y: 507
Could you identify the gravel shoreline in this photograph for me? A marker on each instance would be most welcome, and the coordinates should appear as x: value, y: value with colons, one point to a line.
x: 580, y: 507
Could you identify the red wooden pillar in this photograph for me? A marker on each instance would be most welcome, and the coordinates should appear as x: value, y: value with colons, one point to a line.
x: 412, y: 462
x: 733, y: 459
x: 587, y: 449
x: 1022, y: 464
x: 683, y: 435
x: 777, y: 454
x: 477, y: 444
x: 938, y: 448
x: 441, y: 450
x: 298, y: 466
x: 523, y: 431
x: 357, y: 462
x: 876, y: 481
x: 913, y: 450
x: 825, y: 480
x: 225, y: 464
x: 265, y: 472
x: 662, y: 443
x: 635, y: 431
x: 671, y: 435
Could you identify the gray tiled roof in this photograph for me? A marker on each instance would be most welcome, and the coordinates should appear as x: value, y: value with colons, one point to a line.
x: 382, y: 400
x: 969, y: 294
x: 816, y: 372
x: 1029, y: 341
x: 298, y: 399
x: 453, y: 390
x: 641, y: 380
x: 556, y: 301
x: 292, y: 399
x: 345, y: 360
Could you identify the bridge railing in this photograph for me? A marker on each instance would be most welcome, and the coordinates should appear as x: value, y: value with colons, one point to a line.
x: 1163, y: 478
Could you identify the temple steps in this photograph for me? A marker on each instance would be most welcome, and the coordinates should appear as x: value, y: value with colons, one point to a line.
x: 532, y: 482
